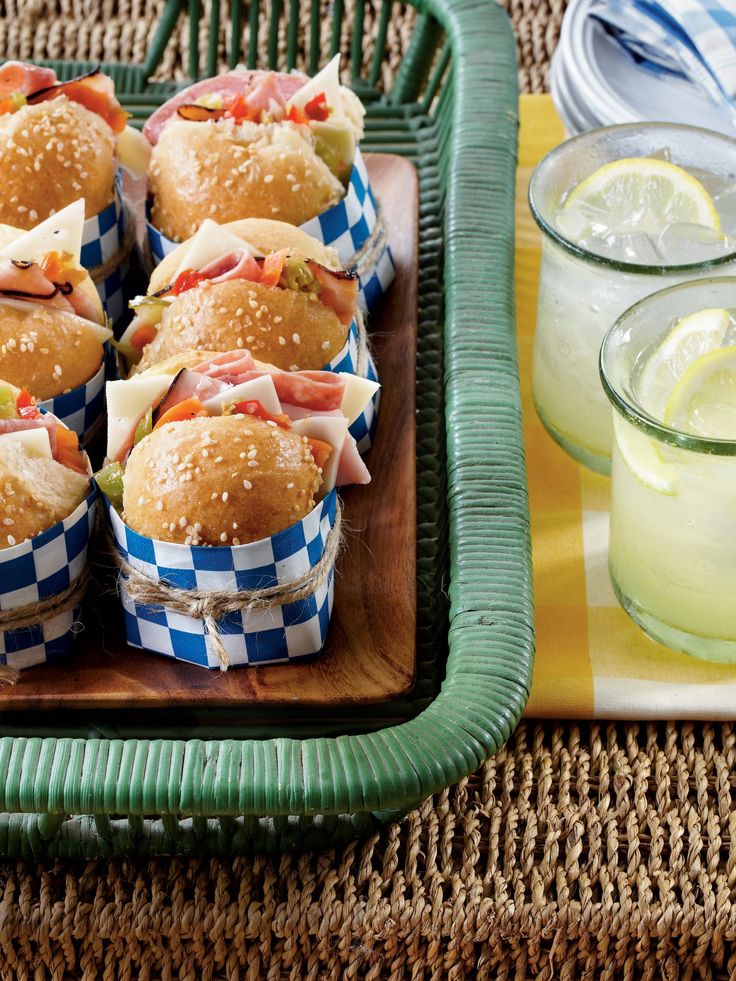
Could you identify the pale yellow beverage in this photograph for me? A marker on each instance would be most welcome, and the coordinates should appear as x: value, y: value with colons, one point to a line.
x: 624, y: 211
x: 671, y: 377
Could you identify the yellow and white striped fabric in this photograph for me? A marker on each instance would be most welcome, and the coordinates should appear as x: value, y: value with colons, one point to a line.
x: 592, y: 661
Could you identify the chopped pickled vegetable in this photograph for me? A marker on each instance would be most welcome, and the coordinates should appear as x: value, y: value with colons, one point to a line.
x: 321, y: 451
x: 7, y: 404
x: 297, y: 275
x: 110, y: 482
x: 144, y: 427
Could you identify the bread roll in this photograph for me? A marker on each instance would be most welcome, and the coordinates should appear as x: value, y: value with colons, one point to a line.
x: 50, y: 155
x: 226, y: 480
x: 225, y: 171
x: 35, y: 493
x: 280, y: 326
x: 46, y: 351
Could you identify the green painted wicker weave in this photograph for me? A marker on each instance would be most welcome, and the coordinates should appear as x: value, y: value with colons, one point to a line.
x: 210, y: 782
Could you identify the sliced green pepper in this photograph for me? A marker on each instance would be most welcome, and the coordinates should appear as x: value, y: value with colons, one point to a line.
x: 144, y: 427
x: 110, y: 482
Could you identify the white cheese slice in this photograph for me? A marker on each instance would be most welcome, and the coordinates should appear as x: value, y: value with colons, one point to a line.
x: 327, y: 81
x: 126, y: 403
x: 358, y: 393
x: 209, y: 243
x: 36, y: 442
x: 134, y: 151
x: 332, y: 430
x: 61, y: 232
x: 262, y: 389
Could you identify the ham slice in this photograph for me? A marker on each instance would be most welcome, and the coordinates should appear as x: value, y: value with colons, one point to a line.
x: 27, y: 281
x: 239, y: 264
x: 231, y: 368
x: 257, y: 88
x: 316, y: 391
x: 351, y: 469
x: 187, y: 385
x: 18, y: 76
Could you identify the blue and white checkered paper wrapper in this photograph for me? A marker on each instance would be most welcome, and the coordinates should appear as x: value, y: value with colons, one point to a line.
x: 346, y: 227
x: 264, y: 636
x: 103, y: 236
x: 363, y: 429
x: 83, y: 407
x: 37, y: 570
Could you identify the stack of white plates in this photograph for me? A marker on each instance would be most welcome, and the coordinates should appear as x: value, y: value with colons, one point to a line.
x: 595, y: 82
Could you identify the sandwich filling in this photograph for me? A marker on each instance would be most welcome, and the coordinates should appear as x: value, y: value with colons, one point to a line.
x: 23, y: 84
x: 317, y: 405
x: 335, y: 289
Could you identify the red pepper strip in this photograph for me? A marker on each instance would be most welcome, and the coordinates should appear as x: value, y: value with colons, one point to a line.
x: 295, y: 115
x: 186, y: 280
x: 26, y: 405
x: 316, y: 109
x: 252, y: 407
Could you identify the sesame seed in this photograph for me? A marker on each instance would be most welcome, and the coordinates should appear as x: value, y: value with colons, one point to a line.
x: 159, y: 505
x: 247, y: 484
x: 296, y: 338
x: 11, y: 540
x: 252, y: 454
x: 236, y: 541
x: 223, y: 536
x: 325, y: 345
x: 252, y: 463
x: 225, y: 496
x: 289, y: 485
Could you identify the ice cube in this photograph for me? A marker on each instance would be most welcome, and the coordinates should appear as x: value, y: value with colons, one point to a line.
x: 581, y: 221
x: 636, y: 247
x: 662, y: 154
x: 685, y: 242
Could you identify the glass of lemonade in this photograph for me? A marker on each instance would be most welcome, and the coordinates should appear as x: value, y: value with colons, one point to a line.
x: 668, y: 366
x: 624, y: 211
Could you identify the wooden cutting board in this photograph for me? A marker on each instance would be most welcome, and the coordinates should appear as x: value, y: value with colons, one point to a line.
x: 370, y: 655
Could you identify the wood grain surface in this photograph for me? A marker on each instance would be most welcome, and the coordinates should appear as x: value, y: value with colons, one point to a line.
x: 370, y: 654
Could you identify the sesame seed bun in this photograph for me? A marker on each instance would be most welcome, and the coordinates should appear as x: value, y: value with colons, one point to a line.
x: 45, y: 350
x: 265, y: 236
x: 224, y: 171
x: 194, y: 482
x: 35, y: 493
x: 51, y: 154
x: 283, y: 327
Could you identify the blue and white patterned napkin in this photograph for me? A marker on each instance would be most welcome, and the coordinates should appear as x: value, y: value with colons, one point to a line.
x: 692, y: 39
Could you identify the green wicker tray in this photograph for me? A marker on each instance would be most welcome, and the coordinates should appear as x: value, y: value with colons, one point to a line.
x: 160, y: 783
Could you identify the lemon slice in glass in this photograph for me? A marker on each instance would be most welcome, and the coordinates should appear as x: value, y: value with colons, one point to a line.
x: 639, y: 453
x: 690, y: 338
x: 644, y: 194
x: 703, y: 402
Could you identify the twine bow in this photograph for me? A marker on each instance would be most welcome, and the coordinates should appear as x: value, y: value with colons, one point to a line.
x: 40, y: 612
x: 211, y: 606
x: 367, y: 256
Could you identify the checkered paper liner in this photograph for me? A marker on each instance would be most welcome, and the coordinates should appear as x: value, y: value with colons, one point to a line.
x: 263, y: 636
x: 37, y: 570
x: 82, y: 408
x: 363, y: 429
x: 346, y: 227
x: 102, y: 239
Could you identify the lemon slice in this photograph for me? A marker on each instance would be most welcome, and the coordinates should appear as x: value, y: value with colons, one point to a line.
x: 691, y: 337
x: 645, y: 195
x: 639, y: 453
x: 703, y: 402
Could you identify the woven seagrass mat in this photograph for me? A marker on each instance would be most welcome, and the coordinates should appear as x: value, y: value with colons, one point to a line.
x: 579, y: 852
x: 120, y: 30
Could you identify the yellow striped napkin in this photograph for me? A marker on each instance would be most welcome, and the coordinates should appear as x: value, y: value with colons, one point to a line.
x: 592, y: 661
